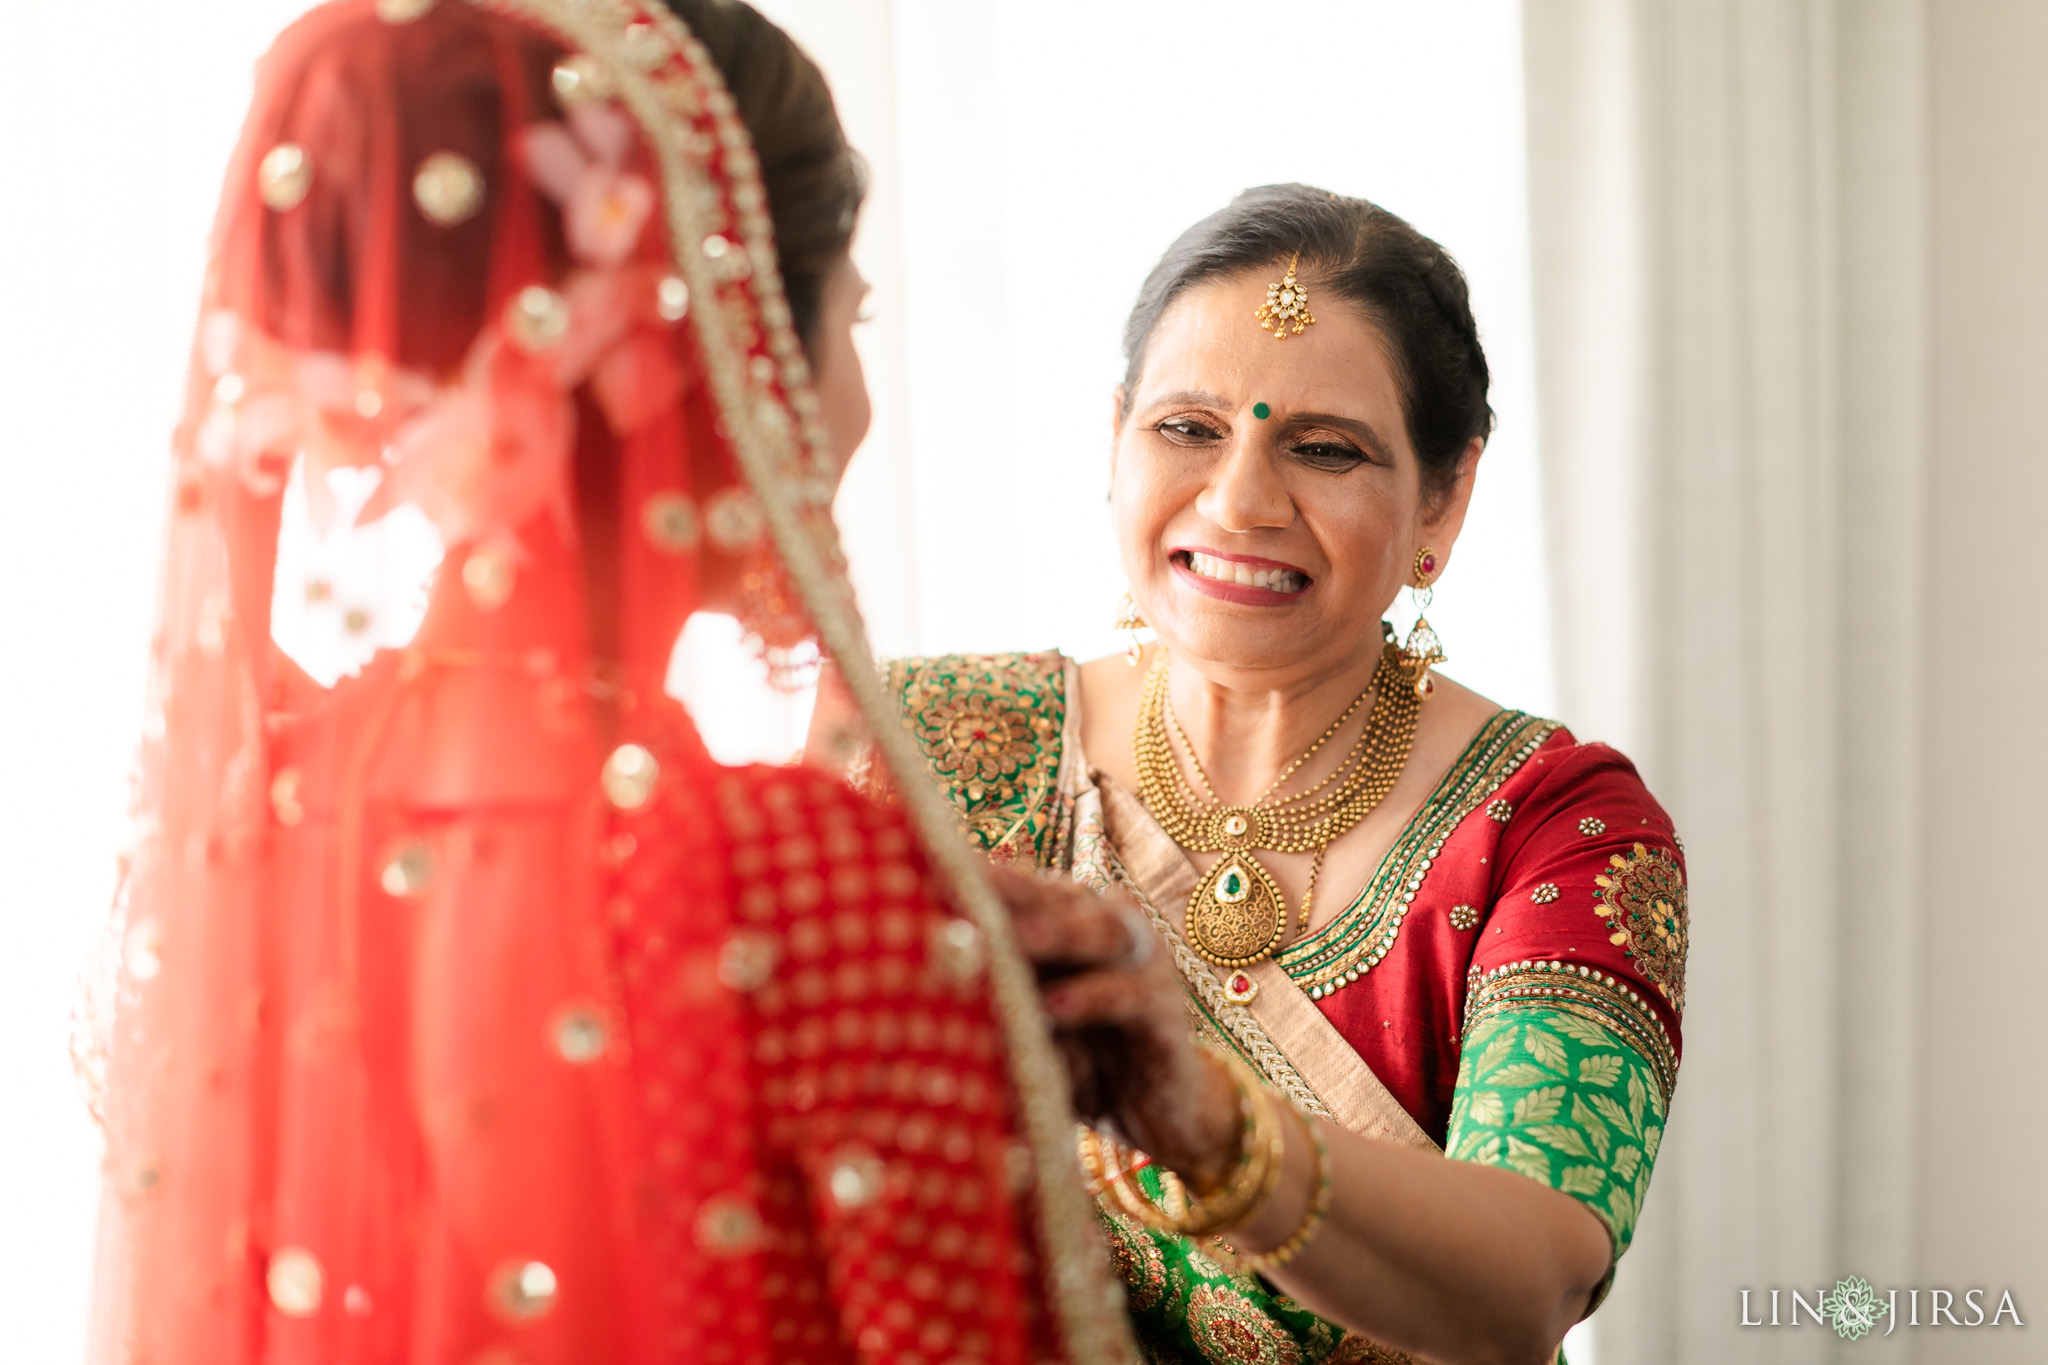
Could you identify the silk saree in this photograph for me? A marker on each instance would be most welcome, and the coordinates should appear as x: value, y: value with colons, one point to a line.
x: 1506, y: 989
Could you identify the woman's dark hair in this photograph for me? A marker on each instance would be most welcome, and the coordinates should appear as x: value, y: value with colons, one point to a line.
x: 815, y: 181
x: 1406, y: 285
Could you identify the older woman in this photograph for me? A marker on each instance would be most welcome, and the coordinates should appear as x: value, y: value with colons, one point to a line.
x: 1432, y: 926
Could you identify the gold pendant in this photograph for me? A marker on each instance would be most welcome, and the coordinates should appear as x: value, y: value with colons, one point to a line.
x: 1237, y: 915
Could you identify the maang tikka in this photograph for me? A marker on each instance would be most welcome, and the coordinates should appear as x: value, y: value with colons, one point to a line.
x: 1422, y: 650
x: 1285, y: 310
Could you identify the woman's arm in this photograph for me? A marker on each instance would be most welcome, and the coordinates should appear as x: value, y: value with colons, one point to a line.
x: 1462, y: 1263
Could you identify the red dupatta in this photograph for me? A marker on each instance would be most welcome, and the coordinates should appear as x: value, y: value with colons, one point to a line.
x: 431, y: 912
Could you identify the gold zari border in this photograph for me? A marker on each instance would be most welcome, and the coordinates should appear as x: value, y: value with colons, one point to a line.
x: 1577, y: 990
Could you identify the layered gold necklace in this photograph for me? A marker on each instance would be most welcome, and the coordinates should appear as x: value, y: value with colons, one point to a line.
x: 1237, y: 915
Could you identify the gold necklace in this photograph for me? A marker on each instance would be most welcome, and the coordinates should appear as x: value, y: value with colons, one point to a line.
x: 1237, y: 914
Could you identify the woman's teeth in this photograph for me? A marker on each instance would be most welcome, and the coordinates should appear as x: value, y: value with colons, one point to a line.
x: 1230, y: 571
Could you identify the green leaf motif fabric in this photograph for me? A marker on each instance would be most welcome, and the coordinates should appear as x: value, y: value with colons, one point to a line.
x: 1190, y: 1306
x: 1561, y: 1100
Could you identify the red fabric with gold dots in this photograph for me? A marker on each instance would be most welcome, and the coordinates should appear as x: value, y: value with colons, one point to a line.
x: 413, y: 1043
x: 828, y: 1111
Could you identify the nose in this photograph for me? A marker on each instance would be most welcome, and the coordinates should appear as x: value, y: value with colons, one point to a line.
x: 1246, y: 492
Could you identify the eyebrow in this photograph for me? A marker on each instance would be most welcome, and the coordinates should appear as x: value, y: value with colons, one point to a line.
x: 1363, y: 432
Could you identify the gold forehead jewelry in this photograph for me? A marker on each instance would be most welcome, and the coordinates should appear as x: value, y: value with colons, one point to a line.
x: 1286, y: 306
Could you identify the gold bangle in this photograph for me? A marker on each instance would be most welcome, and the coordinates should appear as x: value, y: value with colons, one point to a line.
x: 1254, y: 1174
x: 1262, y: 1144
x: 1318, y: 1207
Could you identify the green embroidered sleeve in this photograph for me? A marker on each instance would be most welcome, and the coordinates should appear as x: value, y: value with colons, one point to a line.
x: 1563, y: 1100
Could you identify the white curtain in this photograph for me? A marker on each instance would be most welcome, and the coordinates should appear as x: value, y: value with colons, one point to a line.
x: 1728, y: 221
x: 1031, y: 162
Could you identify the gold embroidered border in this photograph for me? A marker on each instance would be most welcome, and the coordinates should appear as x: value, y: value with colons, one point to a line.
x: 1355, y: 942
x: 1578, y: 990
x: 1219, y: 1018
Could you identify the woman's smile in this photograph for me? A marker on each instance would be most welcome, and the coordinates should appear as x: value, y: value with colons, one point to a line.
x: 1245, y: 579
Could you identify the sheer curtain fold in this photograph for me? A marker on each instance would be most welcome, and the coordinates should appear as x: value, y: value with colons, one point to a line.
x: 1727, y: 229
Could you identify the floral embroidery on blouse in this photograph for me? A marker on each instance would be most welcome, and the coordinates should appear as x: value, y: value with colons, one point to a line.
x: 1643, y: 897
x: 1565, y: 1102
x: 1227, y: 1326
x: 989, y: 727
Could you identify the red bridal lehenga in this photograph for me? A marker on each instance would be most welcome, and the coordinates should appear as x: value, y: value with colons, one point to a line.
x: 468, y: 1011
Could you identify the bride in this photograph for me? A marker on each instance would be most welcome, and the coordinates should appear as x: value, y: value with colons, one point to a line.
x: 468, y: 1012
x: 1405, y: 922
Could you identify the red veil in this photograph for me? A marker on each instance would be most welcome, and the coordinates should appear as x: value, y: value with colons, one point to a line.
x: 467, y: 1010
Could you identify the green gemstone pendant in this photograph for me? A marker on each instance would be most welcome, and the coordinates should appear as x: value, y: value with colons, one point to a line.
x: 1237, y: 915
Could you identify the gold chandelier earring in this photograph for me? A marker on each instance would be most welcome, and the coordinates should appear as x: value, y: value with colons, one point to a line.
x: 1127, y: 618
x: 1422, y: 650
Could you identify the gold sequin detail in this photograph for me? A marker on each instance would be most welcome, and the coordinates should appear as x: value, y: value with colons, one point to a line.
x: 521, y: 1291
x: 629, y: 776
x: 669, y: 521
x: 536, y: 318
x: 294, y: 1281
x: 448, y: 188
x: 284, y: 176
x: 408, y: 870
x: 728, y: 1225
x: 734, y: 519
x: 488, y: 577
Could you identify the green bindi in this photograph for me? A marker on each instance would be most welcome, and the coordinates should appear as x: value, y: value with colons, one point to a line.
x: 1261, y: 411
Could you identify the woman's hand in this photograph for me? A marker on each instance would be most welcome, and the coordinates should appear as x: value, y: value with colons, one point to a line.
x: 1120, y: 1016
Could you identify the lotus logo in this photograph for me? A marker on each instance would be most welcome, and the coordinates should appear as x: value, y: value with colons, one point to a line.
x: 1854, y: 1308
